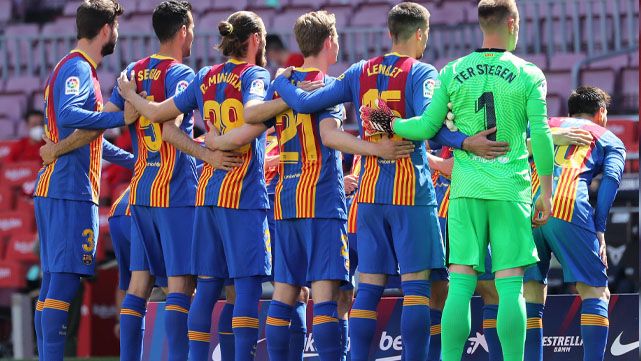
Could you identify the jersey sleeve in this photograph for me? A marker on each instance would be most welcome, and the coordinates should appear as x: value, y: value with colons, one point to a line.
x: 187, y: 100
x: 116, y: 98
x: 336, y: 112
x: 254, y: 84
x: 427, y: 125
x: 116, y: 155
x: 540, y: 134
x: 178, y: 78
x: 269, y: 95
x: 74, y: 85
x: 334, y: 92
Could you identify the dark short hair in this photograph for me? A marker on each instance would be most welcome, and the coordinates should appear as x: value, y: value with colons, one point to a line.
x: 312, y: 29
x: 495, y: 12
x: 236, y: 30
x: 405, y: 18
x: 169, y: 16
x: 274, y: 42
x: 33, y: 112
x: 587, y: 100
x: 92, y: 15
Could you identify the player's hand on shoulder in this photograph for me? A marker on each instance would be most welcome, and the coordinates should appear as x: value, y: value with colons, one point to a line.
x: 480, y: 145
x: 377, y: 119
x: 286, y: 72
x: 47, y: 151
x: 131, y: 113
x: 310, y: 86
x: 393, y: 149
x: 449, y: 118
x: 225, y: 160
x: 542, y: 210
x: 571, y: 136
x: 126, y: 86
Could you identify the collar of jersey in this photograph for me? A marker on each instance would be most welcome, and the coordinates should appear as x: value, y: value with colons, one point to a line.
x: 397, y: 54
x: 490, y: 50
x: 307, y: 70
x: 86, y: 56
x: 162, y: 57
x: 237, y: 62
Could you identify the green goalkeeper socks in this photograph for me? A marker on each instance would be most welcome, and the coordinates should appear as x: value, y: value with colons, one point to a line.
x: 510, y: 322
x: 456, y: 319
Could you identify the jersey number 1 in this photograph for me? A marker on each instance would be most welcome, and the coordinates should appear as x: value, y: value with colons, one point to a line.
x: 486, y: 100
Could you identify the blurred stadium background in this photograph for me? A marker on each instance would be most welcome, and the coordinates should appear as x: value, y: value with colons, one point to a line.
x: 590, y: 42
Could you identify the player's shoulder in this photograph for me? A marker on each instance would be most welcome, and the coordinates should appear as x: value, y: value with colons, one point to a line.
x: 527, y: 67
x: 181, y: 68
x: 426, y: 69
x: 77, y: 65
x: 255, y: 70
x: 355, y: 68
x: 203, y: 71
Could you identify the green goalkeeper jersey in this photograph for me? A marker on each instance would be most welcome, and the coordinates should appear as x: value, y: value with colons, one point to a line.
x: 490, y: 88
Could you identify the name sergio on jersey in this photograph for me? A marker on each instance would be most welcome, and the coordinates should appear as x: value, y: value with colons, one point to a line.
x: 387, y: 70
x: 229, y: 78
x: 148, y: 74
x: 485, y: 69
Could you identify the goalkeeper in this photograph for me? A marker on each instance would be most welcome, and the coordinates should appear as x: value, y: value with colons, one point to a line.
x: 490, y: 199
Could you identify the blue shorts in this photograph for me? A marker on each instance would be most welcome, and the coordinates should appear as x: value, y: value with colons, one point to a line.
x: 393, y: 239
x: 311, y: 249
x: 272, y: 231
x: 68, y: 233
x: 120, y: 230
x: 231, y: 243
x: 161, y: 240
x: 576, y: 248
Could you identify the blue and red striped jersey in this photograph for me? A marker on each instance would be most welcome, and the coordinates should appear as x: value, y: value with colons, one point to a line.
x: 406, y: 84
x: 442, y: 185
x: 311, y: 174
x: 163, y: 175
x: 576, y: 166
x: 353, y: 206
x: 121, y: 205
x: 73, y: 100
x: 221, y: 92
x: 271, y: 173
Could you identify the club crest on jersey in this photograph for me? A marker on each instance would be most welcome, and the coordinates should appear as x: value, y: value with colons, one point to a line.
x: 182, y: 85
x: 257, y: 87
x: 87, y: 259
x: 72, y: 85
x: 428, y: 87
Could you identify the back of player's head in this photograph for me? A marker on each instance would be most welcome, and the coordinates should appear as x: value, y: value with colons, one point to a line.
x: 312, y: 29
x: 92, y: 15
x: 587, y: 100
x: 236, y: 30
x: 274, y: 43
x: 493, y: 13
x: 169, y: 16
x: 405, y: 18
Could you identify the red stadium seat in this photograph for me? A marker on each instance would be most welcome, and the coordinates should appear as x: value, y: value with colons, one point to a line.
x: 559, y: 83
x: 21, y: 247
x: 6, y: 7
x: 22, y: 85
x: 16, y: 174
x: 564, y: 61
x: 602, y: 78
x: 370, y: 15
x: 13, y: 222
x: 7, y: 129
x: 284, y: 22
x: 13, y: 106
x: 12, y: 274
x: 555, y: 106
x: 71, y: 8
x: 342, y: 14
x: 626, y: 130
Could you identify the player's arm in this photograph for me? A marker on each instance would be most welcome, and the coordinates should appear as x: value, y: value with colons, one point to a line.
x: 613, y: 166
x: 116, y: 155
x: 443, y: 166
x: 542, y: 146
x: 235, y: 138
x: 155, y: 112
x: 334, y: 92
x: 334, y: 137
x: 259, y: 111
x: 566, y: 136
x: 74, y: 85
x: 427, y: 125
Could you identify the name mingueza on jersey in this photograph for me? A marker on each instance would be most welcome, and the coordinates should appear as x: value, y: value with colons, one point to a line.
x: 485, y: 69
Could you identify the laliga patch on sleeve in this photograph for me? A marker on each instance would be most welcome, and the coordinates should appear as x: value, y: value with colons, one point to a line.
x: 428, y: 88
x: 72, y: 85
x: 181, y: 86
x: 257, y: 87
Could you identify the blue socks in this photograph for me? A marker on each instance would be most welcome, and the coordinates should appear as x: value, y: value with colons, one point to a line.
x: 176, y: 313
x: 226, y: 333
x: 277, y: 330
x: 363, y: 320
x: 245, y: 320
x: 534, y: 332
x: 37, y: 318
x: 415, y: 319
x: 132, y: 314
x: 326, y: 331
x: 343, y: 326
x: 298, y: 332
x: 594, y: 328
x: 434, y: 352
x: 62, y: 289
x: 199, y: 318
x: 489, y: 331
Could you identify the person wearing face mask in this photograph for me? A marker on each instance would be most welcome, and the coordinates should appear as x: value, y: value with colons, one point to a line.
x: 26, y: 148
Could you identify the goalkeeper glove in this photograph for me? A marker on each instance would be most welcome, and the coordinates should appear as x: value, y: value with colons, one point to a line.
x: 377, y: 119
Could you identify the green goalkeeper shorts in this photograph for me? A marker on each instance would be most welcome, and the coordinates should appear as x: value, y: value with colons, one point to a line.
x: 506, y: 226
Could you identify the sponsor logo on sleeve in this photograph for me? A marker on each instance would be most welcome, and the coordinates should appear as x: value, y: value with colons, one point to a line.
x: 428, y: 88
x: 257, y: 87
x: 181, y: 86
x: 72, y: 85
